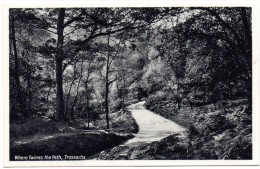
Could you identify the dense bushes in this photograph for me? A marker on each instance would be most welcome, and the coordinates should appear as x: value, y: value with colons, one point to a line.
x: 121, y: 121
x: 223, y: 131
x: 36, y: 126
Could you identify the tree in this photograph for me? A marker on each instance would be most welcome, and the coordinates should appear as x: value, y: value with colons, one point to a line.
x: 95, y: 23
x: 227, y: 36
x: 59, y: 114
x: 20, y: 104
x: 89, y: 89
x: 110, y: 58
x: 206, y: 51
x: 24, y: 80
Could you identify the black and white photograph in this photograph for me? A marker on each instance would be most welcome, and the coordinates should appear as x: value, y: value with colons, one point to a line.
x: 130, y: 83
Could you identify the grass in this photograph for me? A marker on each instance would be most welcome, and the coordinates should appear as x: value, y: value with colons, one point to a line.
x: 42, y: 136
x: 73, y: 144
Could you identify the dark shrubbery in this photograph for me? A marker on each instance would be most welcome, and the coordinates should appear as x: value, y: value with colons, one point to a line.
x: 76, y: 144
x: 215, y: 132
x: 36, y: 126
x: 121, y: 121
x: 116, y: 105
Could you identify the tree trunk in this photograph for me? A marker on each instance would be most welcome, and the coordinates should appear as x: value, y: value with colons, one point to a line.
x: 177, y: 99
x: 30, y: 94
x: 106, y: 106
x: 48, y: 94
x: 179, y: 105
x: 247, y: 30
x: 88, y: 94
x: 249, y: 96
x: 107, y: 86
x: 123, y: 95
x: 88, y: 111
x: 30, y: 104
x: 68, y: 94
x: 16, y: 62
x: 190, y: 102
x: 20, y: 102
x: 248, y: 36
x: 77, y: 92
x: 59, y: 114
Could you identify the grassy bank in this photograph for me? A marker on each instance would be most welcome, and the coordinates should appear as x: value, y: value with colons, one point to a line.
x: 81, y: 144
x: 223, y: 131
x: 42, y: 136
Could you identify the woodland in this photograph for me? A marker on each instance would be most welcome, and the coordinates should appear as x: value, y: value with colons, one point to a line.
x: 74, y: 71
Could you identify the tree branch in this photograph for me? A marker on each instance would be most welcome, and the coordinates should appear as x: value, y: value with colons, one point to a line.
x: 222, y: 22
x: 43, y: 29
x: 93, y: 35
x: 113, y: 58
x: 78, y: 18
x: 110, y: 82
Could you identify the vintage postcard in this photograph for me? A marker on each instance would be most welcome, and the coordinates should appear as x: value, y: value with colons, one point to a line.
x: 139, y: 83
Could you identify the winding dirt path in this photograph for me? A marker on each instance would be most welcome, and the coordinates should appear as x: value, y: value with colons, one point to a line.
x: 152, y: 127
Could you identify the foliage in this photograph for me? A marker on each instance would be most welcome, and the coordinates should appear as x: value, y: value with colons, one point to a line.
x: 213, y: 133
x: 121, y: 122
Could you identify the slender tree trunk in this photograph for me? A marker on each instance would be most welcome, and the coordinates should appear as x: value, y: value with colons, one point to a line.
x: 248, y: 34
x: 48, y: 94
x: 77, y: 92
x: 59, y: 114
x: 30, y: 103
x: 246, y: 50
x: 179, y: 105
x: 123, y: 95
x: 29, y: 108
x: 106, y: 99
x: 190, y: 104
x: 249, y: 96
x: 107, y: 86
x: 106, y: 106
x: 68, y: 94
x: 87, y: 94
x: 16, y: 62
x: 88, y: 111
x: 20, y: 102
x: 177, y: 99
